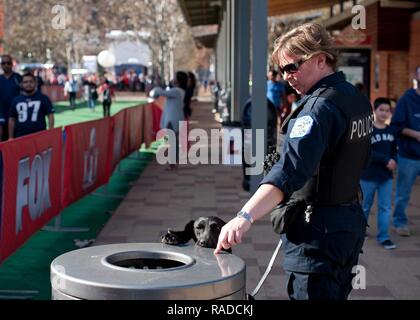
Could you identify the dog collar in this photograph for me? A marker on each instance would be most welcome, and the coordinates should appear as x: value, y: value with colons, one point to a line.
x: 246, y: 216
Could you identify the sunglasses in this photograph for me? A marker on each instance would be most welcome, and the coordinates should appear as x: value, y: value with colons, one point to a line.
x: 7, y: 62
x: 292, y: 67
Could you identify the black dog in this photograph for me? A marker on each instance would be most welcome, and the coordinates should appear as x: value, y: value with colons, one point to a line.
x: 204, y: 231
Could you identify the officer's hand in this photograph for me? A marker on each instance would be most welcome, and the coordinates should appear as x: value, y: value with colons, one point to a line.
x: 392, y: 165
x: 231, y: 233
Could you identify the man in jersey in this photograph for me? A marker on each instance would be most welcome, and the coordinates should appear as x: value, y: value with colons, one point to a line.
x: 29, y: 110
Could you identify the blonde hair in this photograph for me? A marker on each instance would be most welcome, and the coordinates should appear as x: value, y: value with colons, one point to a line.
x: 305, y: 42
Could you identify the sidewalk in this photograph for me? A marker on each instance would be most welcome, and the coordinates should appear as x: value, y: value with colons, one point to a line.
x: 163, y: 199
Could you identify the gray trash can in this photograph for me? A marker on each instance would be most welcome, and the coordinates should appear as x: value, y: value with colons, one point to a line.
x: 147, y: 271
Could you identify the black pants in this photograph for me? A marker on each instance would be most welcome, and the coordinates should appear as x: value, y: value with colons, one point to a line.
x: 176, y: 146
x: 320, y: 254
x: 107, y: 108
x: 72, y: 100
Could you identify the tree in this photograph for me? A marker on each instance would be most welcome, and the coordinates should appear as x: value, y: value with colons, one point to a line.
x: 162, y: 25
x: 30, y: 35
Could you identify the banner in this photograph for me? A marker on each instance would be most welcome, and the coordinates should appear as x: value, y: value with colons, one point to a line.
x: 31, y: 186
x: 134, y: 128
x: 120, y: 145
x: 88, y: 158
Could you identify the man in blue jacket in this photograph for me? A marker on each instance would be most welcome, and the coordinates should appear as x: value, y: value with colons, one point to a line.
x: 406, y: 121
x: 10, y: 83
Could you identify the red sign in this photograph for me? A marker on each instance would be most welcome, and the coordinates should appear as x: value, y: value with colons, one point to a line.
x: 31, y: 186
x: 350, y: 37
x: 88, y: 158
x: 134, y: 128
x: 120, y: 145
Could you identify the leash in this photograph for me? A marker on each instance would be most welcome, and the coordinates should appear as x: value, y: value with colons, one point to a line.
x: 267, y: 271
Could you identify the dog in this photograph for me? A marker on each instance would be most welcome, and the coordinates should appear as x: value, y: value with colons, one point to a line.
x: 204, y: 231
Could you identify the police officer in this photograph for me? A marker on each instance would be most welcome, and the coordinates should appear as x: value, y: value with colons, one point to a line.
x: 317, y: 178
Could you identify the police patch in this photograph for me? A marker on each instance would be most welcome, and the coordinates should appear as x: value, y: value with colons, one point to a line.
x: 302, y: 127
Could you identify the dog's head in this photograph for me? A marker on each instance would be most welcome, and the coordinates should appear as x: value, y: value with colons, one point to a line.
x: 207, y: 231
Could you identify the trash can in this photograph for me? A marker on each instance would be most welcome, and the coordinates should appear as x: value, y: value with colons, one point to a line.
x: 147, y: 271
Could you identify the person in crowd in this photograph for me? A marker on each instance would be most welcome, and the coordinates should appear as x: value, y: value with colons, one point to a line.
x: 378, y: 176
x: 107, y: 91
x: 39, y: 81
x: 291, y: 97
x: 29, y: 110
x: 61, y: 79
x: 189, y: 93
x: 70, y: 89
x: 142, y: 81
x: 92, y: 92
x: 275, y: 90
x: 406, y: 121
x: 173, y: 111
x: 10, y: 82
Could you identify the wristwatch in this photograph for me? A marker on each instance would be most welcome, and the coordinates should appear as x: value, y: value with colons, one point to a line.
x: 246, y: 216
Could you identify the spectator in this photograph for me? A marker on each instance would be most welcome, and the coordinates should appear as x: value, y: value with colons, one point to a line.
x: 71, y: 88
x: 142, y: 81
x: 108, y: 93
x: 379, y: 173
x: 9, y: 89
x: 291, y: 97
x: 92, y: 94
x: 286, y: 105
x: 61, y: 79
x: 173, y: 112
x: 275, y: 90
x: 407, y: 123
x: 39, y: 80
x: 133, y: 81
x: 189, y: 93
x: 28, y: 110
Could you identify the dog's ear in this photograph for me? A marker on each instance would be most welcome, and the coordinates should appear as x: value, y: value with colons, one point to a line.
x: 189, y: 231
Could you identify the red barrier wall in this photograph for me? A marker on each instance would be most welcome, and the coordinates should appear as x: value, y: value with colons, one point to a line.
x: 120, y: 145
x: 33, y: 191
x: 153, y: 113
x: 134, y: 127
x: 31, y: 186
x: 88, y: 158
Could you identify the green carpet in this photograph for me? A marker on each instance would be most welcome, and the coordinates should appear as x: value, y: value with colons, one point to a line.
x: 29, y: 267
x: 65, y: 116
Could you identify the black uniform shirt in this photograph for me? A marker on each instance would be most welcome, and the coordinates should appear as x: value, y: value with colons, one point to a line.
x: 316, y: 129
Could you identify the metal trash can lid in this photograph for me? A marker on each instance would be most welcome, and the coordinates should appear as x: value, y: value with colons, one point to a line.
x: 188, y: 273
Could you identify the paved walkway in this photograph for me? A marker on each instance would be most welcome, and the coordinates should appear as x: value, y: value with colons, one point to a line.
x: 162, y: 199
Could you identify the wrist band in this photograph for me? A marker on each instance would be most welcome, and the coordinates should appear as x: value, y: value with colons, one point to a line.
x: 246, y: 216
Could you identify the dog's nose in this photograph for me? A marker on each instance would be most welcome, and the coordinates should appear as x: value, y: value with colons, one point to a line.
x: 203, y: 244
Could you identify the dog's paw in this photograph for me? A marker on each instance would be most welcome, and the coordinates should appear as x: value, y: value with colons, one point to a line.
x: 170, y: 238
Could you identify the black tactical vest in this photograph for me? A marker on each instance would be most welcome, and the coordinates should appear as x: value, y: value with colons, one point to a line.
x: 337, y: 178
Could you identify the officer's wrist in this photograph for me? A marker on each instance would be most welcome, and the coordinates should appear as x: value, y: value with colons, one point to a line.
x: 245, y: 215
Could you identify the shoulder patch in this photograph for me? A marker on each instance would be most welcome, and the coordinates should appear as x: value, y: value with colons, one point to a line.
x: 302, y: 127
